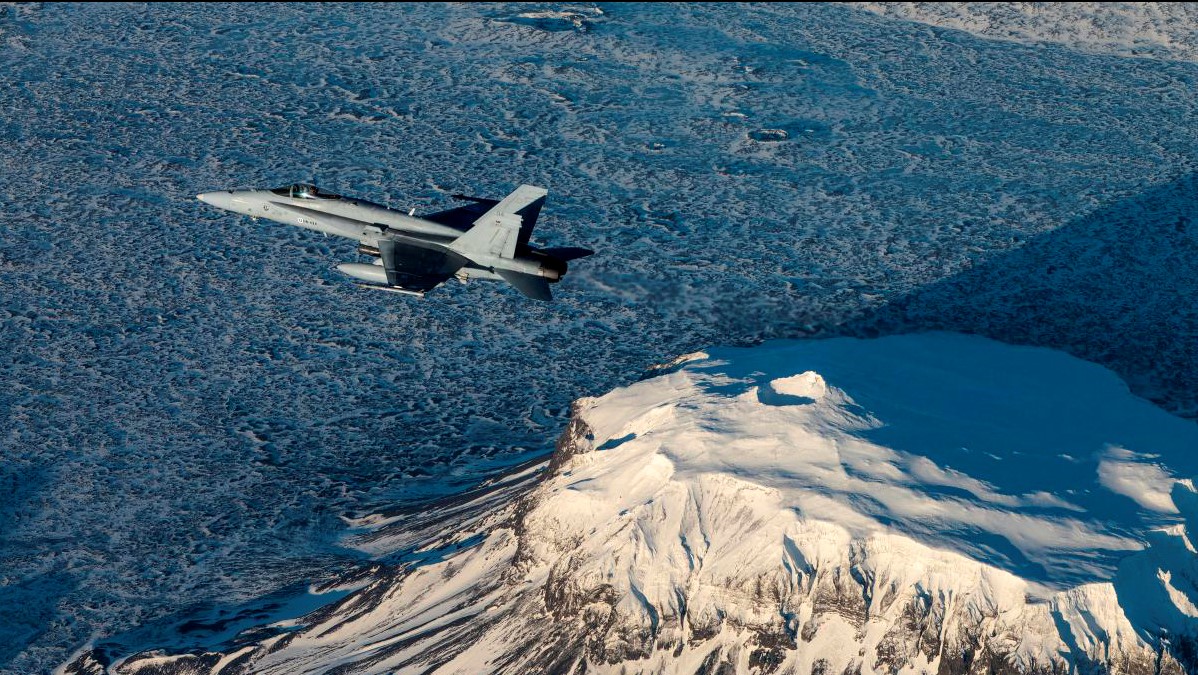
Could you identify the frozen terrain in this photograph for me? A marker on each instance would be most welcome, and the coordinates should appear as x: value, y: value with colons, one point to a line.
x: 1138, y: 29
x: 933, y: 503
x: 192, y: 405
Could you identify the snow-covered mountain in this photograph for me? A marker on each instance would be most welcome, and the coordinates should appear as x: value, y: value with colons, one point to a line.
x: 932, y: 503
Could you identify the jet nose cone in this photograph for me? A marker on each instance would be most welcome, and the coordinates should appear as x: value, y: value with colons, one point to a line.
x: 221, y: 200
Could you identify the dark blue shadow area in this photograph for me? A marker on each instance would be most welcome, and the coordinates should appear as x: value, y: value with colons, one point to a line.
x: 433, y: 556
x: 209, y: 627
x: 1118, y: 287
x: 28, y: 609
x: 768, y: 396
x: 28, y: 602
x: 1148, y: 604
x: 613, y: 443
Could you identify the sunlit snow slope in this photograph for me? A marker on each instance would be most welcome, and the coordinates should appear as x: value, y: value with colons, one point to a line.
x: 931, y: 503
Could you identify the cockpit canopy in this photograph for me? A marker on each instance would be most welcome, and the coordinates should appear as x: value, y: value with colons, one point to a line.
x: 304, y: 191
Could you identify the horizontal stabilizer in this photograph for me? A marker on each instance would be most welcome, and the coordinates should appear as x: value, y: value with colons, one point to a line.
x: 567, y: 253
x: 536, y: 288
x: 477, y: 200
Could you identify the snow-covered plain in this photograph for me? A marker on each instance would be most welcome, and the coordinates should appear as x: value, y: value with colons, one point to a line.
x: 192, y: 402
x: 1136, y: 29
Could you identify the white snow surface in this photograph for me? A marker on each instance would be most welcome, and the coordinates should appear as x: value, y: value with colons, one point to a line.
x: 1166, y: 30
x: 1135, y: 476
x: 946, y: 493
x: 808, y: 384
x: 1017, y: 457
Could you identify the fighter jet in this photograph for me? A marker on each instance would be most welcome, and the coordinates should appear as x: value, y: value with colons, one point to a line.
x: 486, y: 239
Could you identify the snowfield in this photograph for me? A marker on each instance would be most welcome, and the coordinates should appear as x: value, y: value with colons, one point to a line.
x: 945, y: 501
x: 194, y: 407
x: 1136, y: 29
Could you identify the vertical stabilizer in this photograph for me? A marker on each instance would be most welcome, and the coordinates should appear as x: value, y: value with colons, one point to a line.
x: 508, y: 224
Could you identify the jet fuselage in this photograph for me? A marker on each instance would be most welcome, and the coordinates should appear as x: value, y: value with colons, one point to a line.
x: 475, y: 256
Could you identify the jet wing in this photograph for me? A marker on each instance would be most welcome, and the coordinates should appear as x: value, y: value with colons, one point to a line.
x: 417, y: 283
x: 413, y: 266
x: 462, y: 217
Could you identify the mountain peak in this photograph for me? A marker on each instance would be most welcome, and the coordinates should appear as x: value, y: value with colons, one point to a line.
x: 921, y: 503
